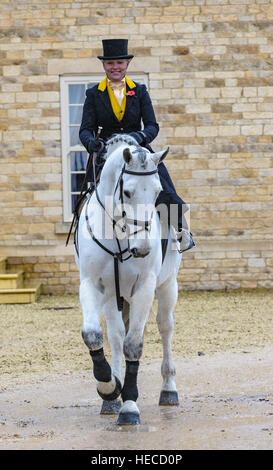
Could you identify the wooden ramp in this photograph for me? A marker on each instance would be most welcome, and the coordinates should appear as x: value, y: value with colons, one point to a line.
x: 14, y: 288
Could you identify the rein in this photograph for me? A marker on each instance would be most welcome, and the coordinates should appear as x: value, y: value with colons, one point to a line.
x: 145, y: 225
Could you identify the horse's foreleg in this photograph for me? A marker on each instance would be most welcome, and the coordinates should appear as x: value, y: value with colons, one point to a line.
x: 133, y: 344
x: 129, y: 413
x: 167, y: 297
x: 108, y: 386
x: 115, y: 333
x: 91, y: 301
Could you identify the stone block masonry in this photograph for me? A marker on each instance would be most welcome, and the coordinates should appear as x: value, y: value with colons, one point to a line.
x: 209, y: 69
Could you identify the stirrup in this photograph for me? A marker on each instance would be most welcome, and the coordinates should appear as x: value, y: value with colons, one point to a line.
x: 185, y: 240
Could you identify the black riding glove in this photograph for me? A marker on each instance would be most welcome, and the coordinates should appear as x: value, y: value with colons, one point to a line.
x: 139, y: 136
x: 96, y: 145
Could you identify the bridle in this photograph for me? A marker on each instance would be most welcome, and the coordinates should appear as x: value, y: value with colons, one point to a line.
x: 145, y: 225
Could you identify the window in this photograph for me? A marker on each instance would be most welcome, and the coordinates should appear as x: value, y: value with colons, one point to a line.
x: 74, y: 155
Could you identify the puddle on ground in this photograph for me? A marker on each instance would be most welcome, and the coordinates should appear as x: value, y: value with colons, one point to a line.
x: 168, y: 414
x: 131, y: 429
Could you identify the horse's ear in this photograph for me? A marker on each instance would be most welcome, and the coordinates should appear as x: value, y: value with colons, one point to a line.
x: 158, y: 157
x: 127, y: 155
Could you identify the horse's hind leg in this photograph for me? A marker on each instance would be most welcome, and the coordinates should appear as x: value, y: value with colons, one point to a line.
x: 108, y: 386
x: 167, y: 297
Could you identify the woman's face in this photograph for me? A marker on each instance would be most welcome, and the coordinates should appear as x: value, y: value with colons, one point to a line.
x: 115, y: 69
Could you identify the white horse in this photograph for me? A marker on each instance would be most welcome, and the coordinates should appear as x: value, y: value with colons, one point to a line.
x: 126, y: 267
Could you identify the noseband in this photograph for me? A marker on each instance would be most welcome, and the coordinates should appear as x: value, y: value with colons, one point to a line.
x: 145, y: 225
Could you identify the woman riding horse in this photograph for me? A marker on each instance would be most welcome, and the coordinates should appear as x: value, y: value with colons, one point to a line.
x: 118, y: 105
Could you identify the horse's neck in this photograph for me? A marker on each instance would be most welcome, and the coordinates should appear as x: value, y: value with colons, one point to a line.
x: 104, y: 202
x: 109, y: 176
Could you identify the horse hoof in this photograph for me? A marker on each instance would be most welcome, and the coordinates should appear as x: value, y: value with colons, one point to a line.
x: 110, y: 407
x: 128, y: 419
x: 168, y: 398
x: 115, y: 394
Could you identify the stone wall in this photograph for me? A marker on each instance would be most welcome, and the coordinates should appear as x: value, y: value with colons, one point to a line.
x: 209, y: 65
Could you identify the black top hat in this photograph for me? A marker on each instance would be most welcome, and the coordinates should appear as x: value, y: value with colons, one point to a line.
x: 115, y: 49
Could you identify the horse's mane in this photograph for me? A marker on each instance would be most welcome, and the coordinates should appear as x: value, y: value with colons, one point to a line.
x: 116, y: 140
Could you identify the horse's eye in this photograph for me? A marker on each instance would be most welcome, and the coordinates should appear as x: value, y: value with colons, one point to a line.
x: 127, y: 194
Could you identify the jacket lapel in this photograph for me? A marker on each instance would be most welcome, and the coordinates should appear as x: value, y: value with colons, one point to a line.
x: 130, y: 100
x: 104, y: 97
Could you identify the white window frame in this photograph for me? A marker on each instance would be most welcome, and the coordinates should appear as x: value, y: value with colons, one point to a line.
x: 65, y: 81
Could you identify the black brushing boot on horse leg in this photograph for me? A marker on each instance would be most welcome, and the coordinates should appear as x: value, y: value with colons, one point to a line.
x: 103, y: 374
x: 129, y: 394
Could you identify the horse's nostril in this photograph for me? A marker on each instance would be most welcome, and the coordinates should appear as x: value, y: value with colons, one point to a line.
x: 136, y: 253
x: 145, y: 253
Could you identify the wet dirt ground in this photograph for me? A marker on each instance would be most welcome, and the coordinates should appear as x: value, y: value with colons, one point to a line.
x: 226, y: 402
x: 225, y: 393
